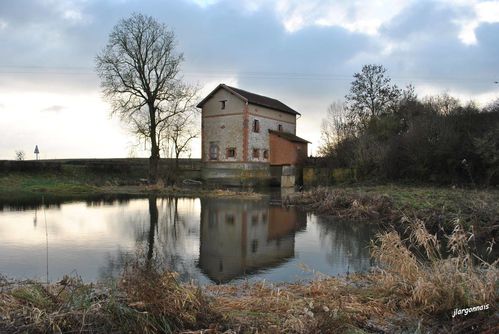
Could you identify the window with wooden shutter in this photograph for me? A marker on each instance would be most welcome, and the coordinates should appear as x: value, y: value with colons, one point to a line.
x: 256, y: 125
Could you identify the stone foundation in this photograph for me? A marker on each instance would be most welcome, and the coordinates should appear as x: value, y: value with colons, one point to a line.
x: 236, y: 174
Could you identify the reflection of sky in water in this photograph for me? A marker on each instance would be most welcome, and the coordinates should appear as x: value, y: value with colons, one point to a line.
x: 237, y: 240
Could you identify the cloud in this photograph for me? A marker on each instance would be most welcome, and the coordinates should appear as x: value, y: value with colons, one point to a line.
x: 73, y: 11
x: 482, y: 12
x: 54, y: 108
x: 354, y: 16
x: 204, y: 3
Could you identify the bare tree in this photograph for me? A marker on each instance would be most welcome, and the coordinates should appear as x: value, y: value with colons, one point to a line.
x: 20, y: 155
x: 139, y: 70
x: 333, y: 127
x: 178, y: 132
x: 443, y: 104
x: 184, y: 130
x: 371, y: 93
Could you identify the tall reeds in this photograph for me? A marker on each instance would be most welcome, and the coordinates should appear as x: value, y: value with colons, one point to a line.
x: 425, y: 277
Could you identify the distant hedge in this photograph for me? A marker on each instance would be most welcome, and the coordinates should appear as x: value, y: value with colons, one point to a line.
x: 7, y: 166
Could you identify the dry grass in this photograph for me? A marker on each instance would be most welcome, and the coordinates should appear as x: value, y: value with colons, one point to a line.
x: 346, y: 204
x: 427, y: 282
x: 329, y: 305
x: 166, y: 304
x: 70, y: 305
x: 144, y: 301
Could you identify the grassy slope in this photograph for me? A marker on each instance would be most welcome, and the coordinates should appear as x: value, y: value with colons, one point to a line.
x: 18, y: 188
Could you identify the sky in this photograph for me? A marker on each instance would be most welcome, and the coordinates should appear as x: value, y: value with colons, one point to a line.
x: 303, y: 53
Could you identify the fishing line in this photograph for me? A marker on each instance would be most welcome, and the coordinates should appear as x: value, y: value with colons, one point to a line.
x: 46, y: 241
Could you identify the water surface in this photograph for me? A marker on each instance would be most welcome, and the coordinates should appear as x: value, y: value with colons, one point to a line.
x: 207, y: 240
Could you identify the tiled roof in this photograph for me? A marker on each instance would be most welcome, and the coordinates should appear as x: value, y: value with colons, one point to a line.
x: 264, y: 101
x: 253, y: 98
x: 289, y: 136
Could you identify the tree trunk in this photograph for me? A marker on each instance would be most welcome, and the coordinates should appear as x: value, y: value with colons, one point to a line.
x: 177, y: 155
x: 153, y: 167
x: 154, y: 158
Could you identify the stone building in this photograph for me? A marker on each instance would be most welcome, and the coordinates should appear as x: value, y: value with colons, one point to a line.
x: 246, y: 138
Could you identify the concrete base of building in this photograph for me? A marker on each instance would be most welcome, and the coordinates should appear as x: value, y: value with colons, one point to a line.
x: 236, y: 174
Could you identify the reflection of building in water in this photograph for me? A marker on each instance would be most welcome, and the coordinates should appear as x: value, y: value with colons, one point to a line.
x: 240, y: 237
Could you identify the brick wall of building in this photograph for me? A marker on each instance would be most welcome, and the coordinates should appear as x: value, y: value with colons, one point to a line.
x: 268, y: 120
x: 284, y: 152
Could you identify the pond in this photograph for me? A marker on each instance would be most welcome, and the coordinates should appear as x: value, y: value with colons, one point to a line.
x: 209, y: 240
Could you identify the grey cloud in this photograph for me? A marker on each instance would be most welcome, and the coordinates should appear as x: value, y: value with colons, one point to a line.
x: 428, y: 50
x: 422, y: 20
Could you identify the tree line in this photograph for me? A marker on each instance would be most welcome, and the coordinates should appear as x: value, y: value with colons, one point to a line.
x: 383, y: 132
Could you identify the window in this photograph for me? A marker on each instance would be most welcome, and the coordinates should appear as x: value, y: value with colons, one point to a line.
x: 265, y: 154
x: 230, y: 219
x: 213, y: 151
x: 256, y: 125
x: 223, y: 104
x: 231, y: 152
x: 279, y: 127
x: 254, y: 246
x: 256, y: 153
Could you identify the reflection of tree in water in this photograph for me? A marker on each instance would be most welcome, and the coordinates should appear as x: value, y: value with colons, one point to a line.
x: 347, y: 242
x: 162, y: 239
x: 173, y: 239
x: 153, y: 225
